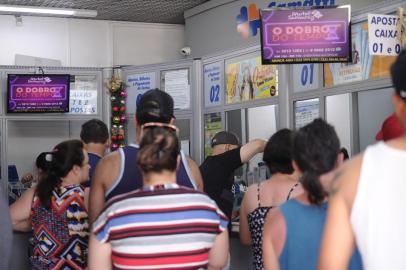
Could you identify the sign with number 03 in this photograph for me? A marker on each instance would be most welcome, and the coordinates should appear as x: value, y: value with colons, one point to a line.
x: 305, y: 77
x: 213, y: 79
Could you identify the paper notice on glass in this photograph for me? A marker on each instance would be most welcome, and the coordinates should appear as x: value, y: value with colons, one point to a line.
x: 184, y: 146
x: 83, y: 96
x: 306, y: 111
x: 177, y: 85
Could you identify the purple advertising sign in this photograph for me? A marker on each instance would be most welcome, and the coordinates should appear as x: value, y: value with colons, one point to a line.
x: 305, y: 36
x: 38, y: 93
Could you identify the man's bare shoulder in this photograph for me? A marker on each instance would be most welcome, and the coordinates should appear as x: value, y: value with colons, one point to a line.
x: 107, y: 169
x: 346, y: 178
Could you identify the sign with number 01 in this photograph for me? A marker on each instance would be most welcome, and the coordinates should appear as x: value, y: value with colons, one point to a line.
x: 305, y: 77
x: 213, y: 79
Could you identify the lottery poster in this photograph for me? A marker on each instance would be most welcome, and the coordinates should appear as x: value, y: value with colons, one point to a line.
x: 250, y: 80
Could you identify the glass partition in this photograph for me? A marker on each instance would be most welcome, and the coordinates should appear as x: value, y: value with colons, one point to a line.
x: 338, y: 114
x: 184, y: 134
x: 373, y: 108
x: 261, y: 123
x: 212, y: 125
x: 26, y: 139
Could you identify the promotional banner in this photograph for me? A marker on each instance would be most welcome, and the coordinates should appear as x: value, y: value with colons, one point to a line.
x: 212, y: 74
x: 138, y: 84
x: 38, y: 93
x: 364, y: 65
x: 383, y: 34
x: 212, y: 125
x: 305, y: 35
x: 250, y: 80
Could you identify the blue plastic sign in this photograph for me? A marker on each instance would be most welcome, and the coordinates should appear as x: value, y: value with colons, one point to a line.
x: 213, y: 78
x: 305, y: 77
x: 137, y: 85
x: 383, y: 35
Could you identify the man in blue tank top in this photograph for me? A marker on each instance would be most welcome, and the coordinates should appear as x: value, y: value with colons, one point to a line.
x: 117, y: 173
x: 95, y: 136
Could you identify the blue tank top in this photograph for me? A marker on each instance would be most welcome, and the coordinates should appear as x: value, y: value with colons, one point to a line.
x: 130, y: 177
x: 304, y: 229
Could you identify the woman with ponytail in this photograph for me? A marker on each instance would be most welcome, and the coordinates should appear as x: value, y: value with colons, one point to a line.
x: 56, y: 210
x: 293, y: 231
x: 162, y: 225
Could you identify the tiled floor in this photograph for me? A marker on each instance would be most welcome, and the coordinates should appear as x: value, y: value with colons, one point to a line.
x: 240, y: 255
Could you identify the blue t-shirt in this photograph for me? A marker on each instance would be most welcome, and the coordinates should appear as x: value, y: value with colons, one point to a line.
x: 304, y: 229
x: 93, y: 160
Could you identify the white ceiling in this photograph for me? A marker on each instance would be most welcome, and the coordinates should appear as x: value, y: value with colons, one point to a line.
x: 166, y: 11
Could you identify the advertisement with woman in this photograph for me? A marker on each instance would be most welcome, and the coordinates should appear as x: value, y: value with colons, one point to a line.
x: 249, y: 80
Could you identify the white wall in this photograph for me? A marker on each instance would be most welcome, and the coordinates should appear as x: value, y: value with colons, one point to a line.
x: 145, y: 43
x: 89, y: 43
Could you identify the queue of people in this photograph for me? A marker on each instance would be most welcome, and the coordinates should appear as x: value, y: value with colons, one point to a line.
x: 149, y: 206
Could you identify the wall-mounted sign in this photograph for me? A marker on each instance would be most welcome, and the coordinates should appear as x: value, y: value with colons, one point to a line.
x: 213, y: 84
x: 305, y: 35
x: 305, y: 77
x: 383, y: 34
x: 138, y: 84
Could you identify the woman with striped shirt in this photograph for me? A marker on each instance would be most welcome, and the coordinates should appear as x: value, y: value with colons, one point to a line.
x: 162, y: 225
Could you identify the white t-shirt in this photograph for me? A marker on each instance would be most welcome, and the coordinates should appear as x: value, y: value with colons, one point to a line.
x: 379, y: 212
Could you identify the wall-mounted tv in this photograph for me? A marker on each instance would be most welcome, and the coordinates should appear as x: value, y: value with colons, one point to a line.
x: 306, y: 35
x: 38, y: 93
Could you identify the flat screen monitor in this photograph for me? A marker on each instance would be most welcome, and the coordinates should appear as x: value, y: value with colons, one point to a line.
x: 312, y: 35
x: 38, y: 93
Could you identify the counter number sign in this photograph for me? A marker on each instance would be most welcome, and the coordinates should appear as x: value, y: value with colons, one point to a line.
x: 383, y: 35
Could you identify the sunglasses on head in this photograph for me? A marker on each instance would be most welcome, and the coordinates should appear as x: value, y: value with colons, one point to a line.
x: 169, y: 127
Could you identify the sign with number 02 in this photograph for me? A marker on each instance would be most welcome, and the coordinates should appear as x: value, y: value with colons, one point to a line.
x: 213, y: 78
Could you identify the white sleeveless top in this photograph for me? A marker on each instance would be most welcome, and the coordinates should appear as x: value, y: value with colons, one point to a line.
x: 379, y: 212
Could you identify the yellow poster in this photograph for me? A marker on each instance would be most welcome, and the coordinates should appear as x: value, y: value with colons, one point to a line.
x: 249, y: 80
x: 363, y: 67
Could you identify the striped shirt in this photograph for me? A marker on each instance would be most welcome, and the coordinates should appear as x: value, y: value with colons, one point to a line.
x: 160, y: 227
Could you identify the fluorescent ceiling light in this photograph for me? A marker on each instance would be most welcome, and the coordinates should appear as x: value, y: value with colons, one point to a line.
x: 44, y: 10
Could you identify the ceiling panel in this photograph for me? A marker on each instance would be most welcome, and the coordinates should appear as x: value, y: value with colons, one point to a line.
x: 167, y: 11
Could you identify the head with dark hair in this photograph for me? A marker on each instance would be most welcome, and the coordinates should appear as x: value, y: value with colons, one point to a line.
x: 344, y: 151
x: 41, y: 163
x: 398, y: 70
x: 94, y: 131
x: 154, y: 106
x: 278, y: 152
x: 159, y: 150
x: 315, y: 151
x: 64, y: 157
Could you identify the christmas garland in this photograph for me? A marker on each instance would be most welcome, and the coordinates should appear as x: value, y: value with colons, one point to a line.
x: 118, y: 95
